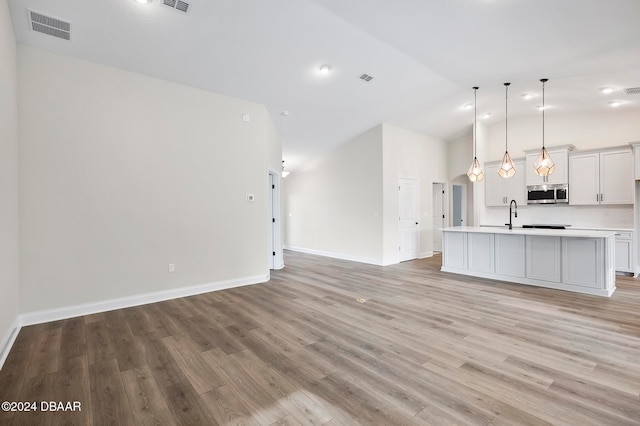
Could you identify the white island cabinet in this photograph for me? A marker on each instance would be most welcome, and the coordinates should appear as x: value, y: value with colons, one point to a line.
x: 579, y: 261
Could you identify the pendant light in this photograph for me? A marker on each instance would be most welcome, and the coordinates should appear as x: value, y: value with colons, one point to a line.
x: 507, y: 169
x: 475, y: 172
x: 544, y: 165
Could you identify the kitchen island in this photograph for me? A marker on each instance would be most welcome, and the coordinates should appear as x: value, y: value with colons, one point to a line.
x: 581, y: 261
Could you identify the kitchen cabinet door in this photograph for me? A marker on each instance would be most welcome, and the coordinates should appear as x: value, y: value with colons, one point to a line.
x: 584, y: 179
x: 601, y: 178
x: 543, y: 258
x: 582, y: 262
x: 616, y: 177
x: 624, y: 255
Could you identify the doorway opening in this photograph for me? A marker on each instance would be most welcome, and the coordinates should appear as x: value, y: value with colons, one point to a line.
x: 439, y: 221
x: 274, y: 244
x: 459, y: 195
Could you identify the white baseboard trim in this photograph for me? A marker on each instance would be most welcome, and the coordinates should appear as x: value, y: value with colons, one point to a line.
x: 333, y: 255
x: 7, y: 342
x: 425, y: 254
x: 49, y: 315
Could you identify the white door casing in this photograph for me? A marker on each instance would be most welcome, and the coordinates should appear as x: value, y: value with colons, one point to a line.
x: 274, y: 248
x: 438, y: 215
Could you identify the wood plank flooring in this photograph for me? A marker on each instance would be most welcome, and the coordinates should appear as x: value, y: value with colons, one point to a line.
x: 425, y: 348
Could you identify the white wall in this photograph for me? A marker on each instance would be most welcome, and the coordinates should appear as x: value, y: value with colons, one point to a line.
x: 122, y: 174
x: 345, y: 204
x: 9, y: 290
x: 334, y: 204
x: 460, y: 154
x: 459, y: 157
x: 410, y: 154
x: 483, y: 150
x: 585, y: 131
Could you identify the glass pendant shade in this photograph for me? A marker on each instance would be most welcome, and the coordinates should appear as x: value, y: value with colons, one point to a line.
x: 475, y: 172
x: 507, y: 169
x: 544, y: 165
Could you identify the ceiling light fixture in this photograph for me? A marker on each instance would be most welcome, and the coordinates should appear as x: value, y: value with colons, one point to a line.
x: 614, y: 104
x: 485, y: 115
x: 526, y: 96
x: 475, y: 172
x: 468, y: 106
x: 544, y: 165
x: 507, y: 169
x: 607, y: 90
x: 325, y: 69
x: 144, y: 1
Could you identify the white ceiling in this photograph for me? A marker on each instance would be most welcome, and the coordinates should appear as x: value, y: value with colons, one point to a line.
x: 424, y: 55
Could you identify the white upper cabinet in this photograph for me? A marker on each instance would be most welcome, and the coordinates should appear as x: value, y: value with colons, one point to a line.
x: 560, y: 156
x: 499, y: 191
x: 584, y: 178
x: 604, y: 177
x: 636, y: 156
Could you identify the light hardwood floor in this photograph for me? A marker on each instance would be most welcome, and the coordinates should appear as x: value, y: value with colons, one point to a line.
x: 425, y: 347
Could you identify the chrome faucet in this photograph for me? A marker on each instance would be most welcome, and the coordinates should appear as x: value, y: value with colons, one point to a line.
x: 516, y: 212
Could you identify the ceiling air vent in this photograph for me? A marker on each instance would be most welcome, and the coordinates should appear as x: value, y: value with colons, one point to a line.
x: 366, y: 77
x: 632, y: 91
x: 49, y: 25
x: 180, y: 5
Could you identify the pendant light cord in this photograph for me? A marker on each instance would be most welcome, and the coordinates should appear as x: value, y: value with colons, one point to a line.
x: 544, y: 80
x: 475, y: 121
x: 506, y: 114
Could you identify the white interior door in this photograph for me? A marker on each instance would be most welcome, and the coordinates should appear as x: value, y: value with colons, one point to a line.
x: 459, y: 205
x: 438, y: 215
x: 408, y: 214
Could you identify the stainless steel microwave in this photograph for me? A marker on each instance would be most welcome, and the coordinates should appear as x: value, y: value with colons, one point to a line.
x: 547, y: 194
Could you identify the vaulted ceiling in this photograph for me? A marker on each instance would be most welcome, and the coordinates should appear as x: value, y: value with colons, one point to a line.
x: 424, y: 57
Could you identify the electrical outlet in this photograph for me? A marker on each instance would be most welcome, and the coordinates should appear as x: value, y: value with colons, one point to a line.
x: 172, y: 267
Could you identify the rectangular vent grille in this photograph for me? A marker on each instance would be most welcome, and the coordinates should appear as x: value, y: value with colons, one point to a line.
x: 180, y: 5
x: 49, y: 25
x: 632, y: 91
x: 366, y: 77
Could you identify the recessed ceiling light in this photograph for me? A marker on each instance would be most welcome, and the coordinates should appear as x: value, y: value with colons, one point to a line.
x: 284, y: 113
x: 606, y: 90
x: 144, y: 1
x: 540, y: 107
x: 485, y: 115
x: 526, y: 96
x: 614, y: 104
x: 325, y: 69
x: 468, y: 106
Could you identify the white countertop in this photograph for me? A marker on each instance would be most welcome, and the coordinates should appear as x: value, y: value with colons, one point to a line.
x: 574, y: 233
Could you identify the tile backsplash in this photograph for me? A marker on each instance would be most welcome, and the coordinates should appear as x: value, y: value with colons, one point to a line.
x: 576, y: 216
